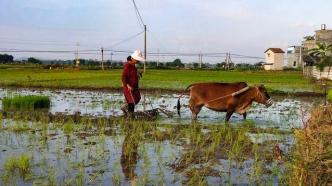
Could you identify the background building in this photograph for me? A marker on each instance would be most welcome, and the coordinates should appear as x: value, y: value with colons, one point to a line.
x: 295, y: 56
x: 274, y: 58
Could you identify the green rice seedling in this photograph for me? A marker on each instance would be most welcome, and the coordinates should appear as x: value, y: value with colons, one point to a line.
x: 20, y: 126
x: 26, y: 103
x: 68, y: 128
x: 51, y: 177
x: 80, y: 177
x: 10, y: 164
x: 23, y: 164
x: 257, y: 167
x: 196, y: 178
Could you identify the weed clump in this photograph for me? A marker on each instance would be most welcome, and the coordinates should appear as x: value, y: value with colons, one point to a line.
x: 20, y: 164
x: 26, y: 103
x: 312, y: 154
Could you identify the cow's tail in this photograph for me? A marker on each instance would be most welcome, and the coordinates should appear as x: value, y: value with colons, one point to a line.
x: 178, y: 106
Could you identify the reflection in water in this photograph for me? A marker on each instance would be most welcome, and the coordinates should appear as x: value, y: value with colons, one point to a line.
x: 129, y: 155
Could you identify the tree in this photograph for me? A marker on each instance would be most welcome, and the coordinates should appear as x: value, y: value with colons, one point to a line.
x: 5, y: 58
x: 177, y: 63
x: 195, y: 65
x: 34, y: 60
x: 321, y: 50
x: 308, y: 38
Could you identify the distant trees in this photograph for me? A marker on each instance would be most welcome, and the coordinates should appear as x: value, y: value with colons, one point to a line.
x: 5, y: 58
x: 34, y: 60
x: 177, y: 63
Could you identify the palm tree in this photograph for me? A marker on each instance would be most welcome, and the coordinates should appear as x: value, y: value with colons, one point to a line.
x: 324, y: 54
x: 322, y: 50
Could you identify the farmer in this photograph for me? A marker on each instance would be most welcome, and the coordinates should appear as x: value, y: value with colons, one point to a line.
x: 130, y: 78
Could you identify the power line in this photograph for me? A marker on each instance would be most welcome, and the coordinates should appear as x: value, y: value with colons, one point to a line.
x: 123, y: 52
x: 138, y: 15
x: 125, y: 40
x: 35, y: 43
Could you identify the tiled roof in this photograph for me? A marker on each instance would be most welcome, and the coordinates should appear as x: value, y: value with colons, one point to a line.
x: 275, y: 50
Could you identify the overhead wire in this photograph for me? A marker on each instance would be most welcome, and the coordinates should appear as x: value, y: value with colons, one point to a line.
x: 125, y: 40
x: 138, y: 14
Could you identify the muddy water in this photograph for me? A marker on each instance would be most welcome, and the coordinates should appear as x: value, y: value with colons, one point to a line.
x: 99, y: 157
x: 285, y: 113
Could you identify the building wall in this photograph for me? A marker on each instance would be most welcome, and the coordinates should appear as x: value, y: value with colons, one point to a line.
x: 294, y: 56
x: 310, y: 44
x: 324, y: 36
x: 276, y: 59
x: 312, y: 71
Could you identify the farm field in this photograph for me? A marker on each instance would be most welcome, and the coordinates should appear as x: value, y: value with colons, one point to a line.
x: 173, y: 80
x: 83, y: 139
x: 80, y: 137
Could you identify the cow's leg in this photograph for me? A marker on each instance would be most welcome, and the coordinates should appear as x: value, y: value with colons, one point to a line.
x: 244, y: 116
x: 195, y: 109
x: 192, y: 108
x: 228, y: 115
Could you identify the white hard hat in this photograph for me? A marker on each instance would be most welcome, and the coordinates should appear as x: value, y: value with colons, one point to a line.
x: 137, y: 55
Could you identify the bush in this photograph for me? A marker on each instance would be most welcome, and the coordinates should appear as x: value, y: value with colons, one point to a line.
x: 26, y: 103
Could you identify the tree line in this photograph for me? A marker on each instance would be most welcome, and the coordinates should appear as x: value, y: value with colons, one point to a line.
x: 116, y: 64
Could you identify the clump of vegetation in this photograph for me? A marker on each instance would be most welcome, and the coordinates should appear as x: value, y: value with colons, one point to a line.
x: 329, y: 95
x: 312, y: 154
x: 20, y: 164
x: 68, y: 128
x: 26, y: 103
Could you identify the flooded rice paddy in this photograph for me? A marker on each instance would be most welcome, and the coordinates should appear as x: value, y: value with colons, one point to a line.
x: 167, y: 151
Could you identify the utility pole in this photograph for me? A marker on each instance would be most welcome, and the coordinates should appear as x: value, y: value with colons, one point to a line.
x: 158, y: 57
x: 300, y: 60
x: 227, y: 62
x: 77, y: 58
x: 102, y: 58
x: 145, y: 48
x: 200, y: 59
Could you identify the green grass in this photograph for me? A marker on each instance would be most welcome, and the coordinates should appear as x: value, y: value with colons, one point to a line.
x: 329, y: 95
x: 26, y: 102
x: 286, y: 81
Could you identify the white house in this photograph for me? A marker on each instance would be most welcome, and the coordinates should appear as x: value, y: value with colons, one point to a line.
x: 295, y: 56
x: 274, y: 58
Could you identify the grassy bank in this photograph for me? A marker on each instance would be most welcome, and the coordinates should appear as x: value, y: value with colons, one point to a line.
x: 286, y: 81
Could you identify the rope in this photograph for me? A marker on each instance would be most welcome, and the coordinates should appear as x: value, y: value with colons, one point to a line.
x: 232, y: 94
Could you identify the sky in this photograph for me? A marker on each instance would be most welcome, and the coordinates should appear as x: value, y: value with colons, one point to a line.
x: 246, y: 27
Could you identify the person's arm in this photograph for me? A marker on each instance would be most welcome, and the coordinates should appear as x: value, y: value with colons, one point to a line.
x: 125, y: 75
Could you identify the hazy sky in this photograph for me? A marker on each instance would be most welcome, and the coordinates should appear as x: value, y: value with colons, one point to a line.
x: 239, y: 26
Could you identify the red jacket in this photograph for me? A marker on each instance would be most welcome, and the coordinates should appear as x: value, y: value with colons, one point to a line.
x: 130, y: 77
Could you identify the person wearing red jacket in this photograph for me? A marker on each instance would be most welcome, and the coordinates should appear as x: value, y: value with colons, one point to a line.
x: 130, y: 78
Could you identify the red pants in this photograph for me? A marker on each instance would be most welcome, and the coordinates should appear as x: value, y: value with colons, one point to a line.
x: 133, y: 96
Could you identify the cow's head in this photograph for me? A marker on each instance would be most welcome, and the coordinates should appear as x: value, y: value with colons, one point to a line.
x: 262, y: 96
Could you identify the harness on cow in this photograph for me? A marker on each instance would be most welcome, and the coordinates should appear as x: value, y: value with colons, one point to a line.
x: 232, y: 94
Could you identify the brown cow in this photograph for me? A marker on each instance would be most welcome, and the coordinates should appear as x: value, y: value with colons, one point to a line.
x: 225, y: 97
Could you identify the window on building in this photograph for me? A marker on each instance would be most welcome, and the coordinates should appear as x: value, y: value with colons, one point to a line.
x: 294, y: 64
x: 268, y: 54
